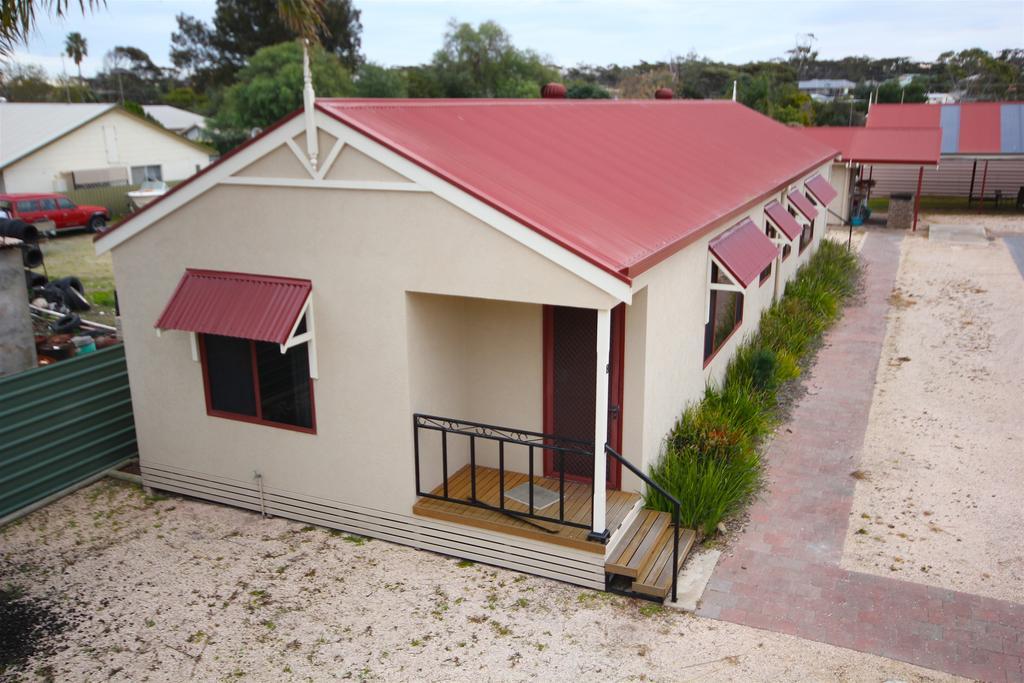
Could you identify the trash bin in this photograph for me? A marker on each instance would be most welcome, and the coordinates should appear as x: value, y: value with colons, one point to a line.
x: 901, y: 211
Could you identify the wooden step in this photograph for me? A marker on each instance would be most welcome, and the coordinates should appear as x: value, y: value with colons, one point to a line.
x: 656, y: 578
x: 640, y: 544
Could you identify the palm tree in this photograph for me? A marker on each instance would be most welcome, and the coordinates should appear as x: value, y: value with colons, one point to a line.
x: 76, y: 47
x: 304, y: 18
x: 18, y: 18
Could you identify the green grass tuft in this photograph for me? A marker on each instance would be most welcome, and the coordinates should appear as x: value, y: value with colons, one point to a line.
x: 711, y: 462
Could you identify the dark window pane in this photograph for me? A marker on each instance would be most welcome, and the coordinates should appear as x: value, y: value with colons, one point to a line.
x: 65, y: 203
x: 725, y: 315
x: 766, y: 273
x: 229, y: 374
x: 284, y: 384
x: 48, y: 204
x: 806, y: 236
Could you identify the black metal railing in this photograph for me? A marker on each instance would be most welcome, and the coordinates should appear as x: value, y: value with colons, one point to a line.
x: 520, y: 442
x: 676, y: 509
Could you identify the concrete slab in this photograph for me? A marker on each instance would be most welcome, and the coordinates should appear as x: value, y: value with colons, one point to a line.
x: 957, y: 234
x: 1015, y: 243
x: 693, y: 579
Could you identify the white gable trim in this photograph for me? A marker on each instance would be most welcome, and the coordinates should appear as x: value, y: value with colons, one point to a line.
x: 421, y: 180
x: 508, y: 226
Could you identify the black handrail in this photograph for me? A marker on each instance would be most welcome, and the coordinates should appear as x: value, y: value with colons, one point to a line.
x: 676, y: 510
x: 559, y: 445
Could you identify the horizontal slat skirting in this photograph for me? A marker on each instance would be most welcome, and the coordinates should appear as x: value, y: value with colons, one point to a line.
x: 405, y: 530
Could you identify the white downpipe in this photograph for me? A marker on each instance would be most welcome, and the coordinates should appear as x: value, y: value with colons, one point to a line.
x: 309, y: 107
x: 734, y: 90
x: 604, y: 326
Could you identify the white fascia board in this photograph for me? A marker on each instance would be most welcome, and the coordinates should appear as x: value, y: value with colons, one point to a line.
x: 501, y: 222
x: 214, y: 176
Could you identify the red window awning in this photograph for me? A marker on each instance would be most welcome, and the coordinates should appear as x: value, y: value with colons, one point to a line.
x: 782, y: 220
x: 259, y: 307
x: 822, y: 189
x: 744, y: 251
x: 803, y: 204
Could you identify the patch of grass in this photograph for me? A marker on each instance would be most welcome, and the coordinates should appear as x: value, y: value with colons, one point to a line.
x: 649, y: 609
x: 462, y: 564
x: 711, y: 462
x: 74, y: 255
x: 952, y: 204
x: 355, y: 540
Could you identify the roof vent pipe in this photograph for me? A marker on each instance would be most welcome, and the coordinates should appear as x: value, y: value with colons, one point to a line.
x: 553, y: 91
x: 664, y: 94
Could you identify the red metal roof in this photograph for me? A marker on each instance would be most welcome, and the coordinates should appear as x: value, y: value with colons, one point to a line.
x: 259, y: 307
x: 781, y: 218
x: 744, y: 251
x: 918, y: 146
x: 904, y: 115
x: 803, y: 204
x: 822, y: 189
x: 980, y: 127
x: 622, y: 184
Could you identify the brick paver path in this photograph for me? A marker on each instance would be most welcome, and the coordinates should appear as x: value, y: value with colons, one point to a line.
x: 783, y: 573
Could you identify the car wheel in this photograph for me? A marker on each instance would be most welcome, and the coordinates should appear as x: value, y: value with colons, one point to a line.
x: 97, y: 223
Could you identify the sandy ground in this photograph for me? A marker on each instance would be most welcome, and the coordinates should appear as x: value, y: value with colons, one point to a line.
x: 171, y: 589
x: 942, y: 471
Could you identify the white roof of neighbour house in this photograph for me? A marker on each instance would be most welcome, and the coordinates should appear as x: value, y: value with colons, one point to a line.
x: 173, y: 118
x: 27, y: 126
x: 826, y: 84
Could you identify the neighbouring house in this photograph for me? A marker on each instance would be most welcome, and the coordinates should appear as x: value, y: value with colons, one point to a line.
x: 415, y: 319
x: 52, y: 147
x: 177, y: 120
x: 903, y: 149
x: 826, y: 89
x: 982, y: 150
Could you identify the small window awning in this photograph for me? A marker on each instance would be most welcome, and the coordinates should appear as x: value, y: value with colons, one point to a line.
x: 822, y: 189
x: 744, y: 251
x: 782, y: 220
x: 258, y: 307
x: 803, y: 204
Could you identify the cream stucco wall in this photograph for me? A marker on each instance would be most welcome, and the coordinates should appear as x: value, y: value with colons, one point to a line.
x: 384, y: 348
x: 841, y: 181
x: 115, y: 139
x: 671, y: 343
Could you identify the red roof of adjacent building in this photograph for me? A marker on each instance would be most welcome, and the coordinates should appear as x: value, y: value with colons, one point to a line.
x: 783, y: 220
x: 970, y: 128
x: 918, y: 146
x: 259, y: 307
x: 620, y: 183
x: 744, y: 251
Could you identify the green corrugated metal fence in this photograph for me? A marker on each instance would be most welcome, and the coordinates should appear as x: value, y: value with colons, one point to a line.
x: 61, y: 424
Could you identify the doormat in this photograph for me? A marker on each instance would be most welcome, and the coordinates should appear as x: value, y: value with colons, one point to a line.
x: 542, y: 497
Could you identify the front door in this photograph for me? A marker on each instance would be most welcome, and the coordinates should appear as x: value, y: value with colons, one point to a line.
x: 570, y: 391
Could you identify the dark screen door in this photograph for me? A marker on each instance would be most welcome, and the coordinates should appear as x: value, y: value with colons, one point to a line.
x: 570, y: 339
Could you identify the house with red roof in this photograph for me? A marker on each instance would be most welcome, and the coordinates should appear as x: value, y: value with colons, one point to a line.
x: 465, y: 326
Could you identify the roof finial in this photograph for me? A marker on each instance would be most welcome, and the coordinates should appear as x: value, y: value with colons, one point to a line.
x: 734, y: 91
x: 309, y: 104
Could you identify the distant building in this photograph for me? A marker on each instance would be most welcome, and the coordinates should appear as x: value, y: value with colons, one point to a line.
x: 941, y: 98
x: 826, y: 89
x: 180, y: 121
x: 53, y: 147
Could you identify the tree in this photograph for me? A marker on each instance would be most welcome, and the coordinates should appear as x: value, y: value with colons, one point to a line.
x: 977, y: 75
x: 483, y: 62
x: 211, y: 55
x: 18, y: 18
x: 581, y: 90
x: 27, y: 83
x: 892, y: 91
x: 373, y: 80
x: 129, y: 74
x: 271, y: 87
x: 76, y: 47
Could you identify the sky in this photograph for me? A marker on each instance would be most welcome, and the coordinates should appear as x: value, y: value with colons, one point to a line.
x: 570, y: 32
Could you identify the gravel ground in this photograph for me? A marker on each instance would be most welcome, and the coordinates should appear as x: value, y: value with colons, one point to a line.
x: 173, y: 589
x: 940, y: 476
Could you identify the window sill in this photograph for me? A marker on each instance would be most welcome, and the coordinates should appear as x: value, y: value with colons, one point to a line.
x: 725, y: 342
x: 236, y: 417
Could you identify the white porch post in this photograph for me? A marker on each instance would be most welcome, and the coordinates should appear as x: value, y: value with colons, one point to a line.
x: 604, y: 324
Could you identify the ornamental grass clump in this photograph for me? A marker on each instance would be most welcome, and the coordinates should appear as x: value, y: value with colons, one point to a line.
x: 711, y: 462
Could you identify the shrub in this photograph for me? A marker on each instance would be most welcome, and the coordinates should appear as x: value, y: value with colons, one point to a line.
x: 711, y: 462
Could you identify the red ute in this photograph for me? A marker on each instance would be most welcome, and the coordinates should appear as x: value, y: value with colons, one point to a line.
x: 64, y: 213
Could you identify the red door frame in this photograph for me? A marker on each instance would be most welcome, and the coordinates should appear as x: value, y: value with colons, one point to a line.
x: 616, y: 360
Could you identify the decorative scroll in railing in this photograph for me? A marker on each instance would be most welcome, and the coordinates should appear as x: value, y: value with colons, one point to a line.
x: 510, y: 443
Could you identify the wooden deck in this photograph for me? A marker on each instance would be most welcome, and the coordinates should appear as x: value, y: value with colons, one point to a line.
x: 577, y: 508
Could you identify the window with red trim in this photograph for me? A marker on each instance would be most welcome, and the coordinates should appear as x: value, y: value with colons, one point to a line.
x: 765, y: 274
x: 254, y: 382
x: 724, y: 316
x: 772, y: 233
x: 806, y: 236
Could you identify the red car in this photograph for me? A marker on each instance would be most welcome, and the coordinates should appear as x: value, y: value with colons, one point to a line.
x: 64, y: 213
